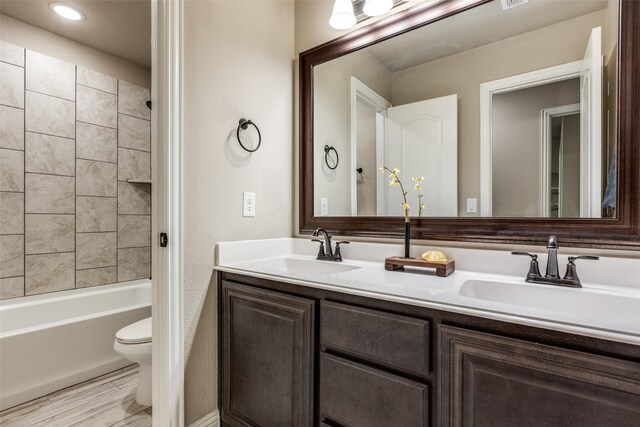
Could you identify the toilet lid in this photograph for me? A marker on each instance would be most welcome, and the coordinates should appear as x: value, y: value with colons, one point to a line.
x: 135, y: 333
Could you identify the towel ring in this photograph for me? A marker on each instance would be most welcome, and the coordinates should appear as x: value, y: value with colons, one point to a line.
x: 327, y: 150
x: 244, y: 124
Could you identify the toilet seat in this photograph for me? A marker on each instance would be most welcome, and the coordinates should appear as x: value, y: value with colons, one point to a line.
x: 136, y: 333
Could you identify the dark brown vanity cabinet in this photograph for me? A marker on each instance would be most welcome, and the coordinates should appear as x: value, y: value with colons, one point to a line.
x: 266, y: 359
x: 489, y: 380
x: 368, y: 363
x: 299, y: 356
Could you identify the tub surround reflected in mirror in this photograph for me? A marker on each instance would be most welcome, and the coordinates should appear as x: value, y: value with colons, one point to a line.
x: 514, y: 117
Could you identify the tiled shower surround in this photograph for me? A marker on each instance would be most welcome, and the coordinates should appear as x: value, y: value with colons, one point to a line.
x: 70, y: 139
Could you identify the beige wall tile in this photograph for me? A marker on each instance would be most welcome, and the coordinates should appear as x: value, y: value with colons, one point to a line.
x: 11, y: 128
x: 95, y: 214
x: 95, y: 250
x: 96, y: 80
x: 11, y: 85
x: 11, y: 170
x: 134, y: 198
x: 133, y: 164
x: 11, y: 287
x: 134, y: 231
x: 134, y: 264
x: 95, y: 277
x: 11, y: 213
x: 132, y: 100
x: 11, y: 256
x: 134, y: 133
x: 96, y: 143
x: 50, y: 76
x: 96, y: 178
x: 97, y: 107
x: 50, y: 194
x: 50, y: 115
x: 12, y: 54
x: 50, y: 154
x: 49, y: 273
x: 49, y: 233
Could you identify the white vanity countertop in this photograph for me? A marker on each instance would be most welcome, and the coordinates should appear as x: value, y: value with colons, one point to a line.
x: 487, y: 284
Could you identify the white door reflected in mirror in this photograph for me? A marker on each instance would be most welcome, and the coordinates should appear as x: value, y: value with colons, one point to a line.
x: 422, y: 140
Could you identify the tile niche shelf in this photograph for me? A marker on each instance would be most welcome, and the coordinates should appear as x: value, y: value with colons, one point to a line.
x: 139, y: 181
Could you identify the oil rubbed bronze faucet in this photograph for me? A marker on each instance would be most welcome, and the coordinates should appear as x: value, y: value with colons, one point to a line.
x: 552, y: 276
x: 325, y: 253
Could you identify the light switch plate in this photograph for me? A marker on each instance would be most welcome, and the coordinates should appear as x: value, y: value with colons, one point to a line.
x: 249, y: 204
x: 472, y: 205
x: 324, y: 206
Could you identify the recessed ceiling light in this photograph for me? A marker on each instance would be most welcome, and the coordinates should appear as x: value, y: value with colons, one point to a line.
x: 66, y: 11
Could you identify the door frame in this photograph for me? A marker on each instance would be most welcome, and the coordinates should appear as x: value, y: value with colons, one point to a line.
x: 166, y: 136
x: 545, y: 158
x: 362, y: 92
x: 540, y: 77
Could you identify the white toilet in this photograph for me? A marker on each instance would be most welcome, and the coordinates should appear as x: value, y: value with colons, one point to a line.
x: 133, y: 342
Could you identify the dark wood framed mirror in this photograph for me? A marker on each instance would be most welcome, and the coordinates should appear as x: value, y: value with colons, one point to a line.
x: 619, y: 231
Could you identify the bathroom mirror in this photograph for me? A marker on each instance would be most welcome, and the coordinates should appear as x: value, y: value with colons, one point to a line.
x: 458, y: 103
x: 511, y: 115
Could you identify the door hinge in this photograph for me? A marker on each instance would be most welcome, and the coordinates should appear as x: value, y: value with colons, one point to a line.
x: 164, y: 240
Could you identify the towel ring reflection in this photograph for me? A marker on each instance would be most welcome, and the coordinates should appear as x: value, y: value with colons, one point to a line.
x: 244, y: 124
x: 327, y: 150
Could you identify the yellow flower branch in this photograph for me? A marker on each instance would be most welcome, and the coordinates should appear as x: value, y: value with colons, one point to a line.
x: 395, y: 182
x: 418, y: 187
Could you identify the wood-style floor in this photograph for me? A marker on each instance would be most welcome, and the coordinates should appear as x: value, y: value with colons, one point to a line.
x: 107, y: 401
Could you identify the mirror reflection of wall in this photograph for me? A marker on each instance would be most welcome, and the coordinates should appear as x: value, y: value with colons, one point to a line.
x: 518, y: 188
x: 457, y: 57
x: 564, y: 199
x: 366, y: 165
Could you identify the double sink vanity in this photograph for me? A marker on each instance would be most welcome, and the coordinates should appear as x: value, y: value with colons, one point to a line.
x: 509, y: 122
x: 305, y: 342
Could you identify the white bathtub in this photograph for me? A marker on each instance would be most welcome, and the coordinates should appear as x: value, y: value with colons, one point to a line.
x: 52, y: 341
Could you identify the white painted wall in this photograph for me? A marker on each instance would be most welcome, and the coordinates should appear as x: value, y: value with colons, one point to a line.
x: 34, y: 38
x: 238, y: 62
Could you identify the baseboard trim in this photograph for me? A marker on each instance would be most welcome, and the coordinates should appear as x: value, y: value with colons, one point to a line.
x: 210, y: 420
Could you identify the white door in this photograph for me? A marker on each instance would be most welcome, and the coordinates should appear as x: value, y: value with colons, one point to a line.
x: 591, y: 128
x: 422, y: 140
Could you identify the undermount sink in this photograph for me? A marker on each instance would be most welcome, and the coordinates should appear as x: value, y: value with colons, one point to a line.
x: 582, y: 302
x: 304, y: 266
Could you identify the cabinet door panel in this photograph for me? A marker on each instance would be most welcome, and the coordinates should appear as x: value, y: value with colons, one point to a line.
x: 356, y: 395
x: 399, y: 342
x: 267, y: 358
x: 488, y: 380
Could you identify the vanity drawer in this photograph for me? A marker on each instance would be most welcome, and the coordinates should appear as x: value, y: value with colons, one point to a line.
x: 356, y: 395
x: 398, y: 342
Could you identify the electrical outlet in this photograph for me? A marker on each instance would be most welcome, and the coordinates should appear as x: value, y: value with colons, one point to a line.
x: 249, y: 204
x: 472, y: 205
x: 324, y: 206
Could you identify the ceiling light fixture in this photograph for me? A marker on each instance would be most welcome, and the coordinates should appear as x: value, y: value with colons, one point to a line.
x: 342, y: 17
x: 377, y: 7
x: 66, y: 11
